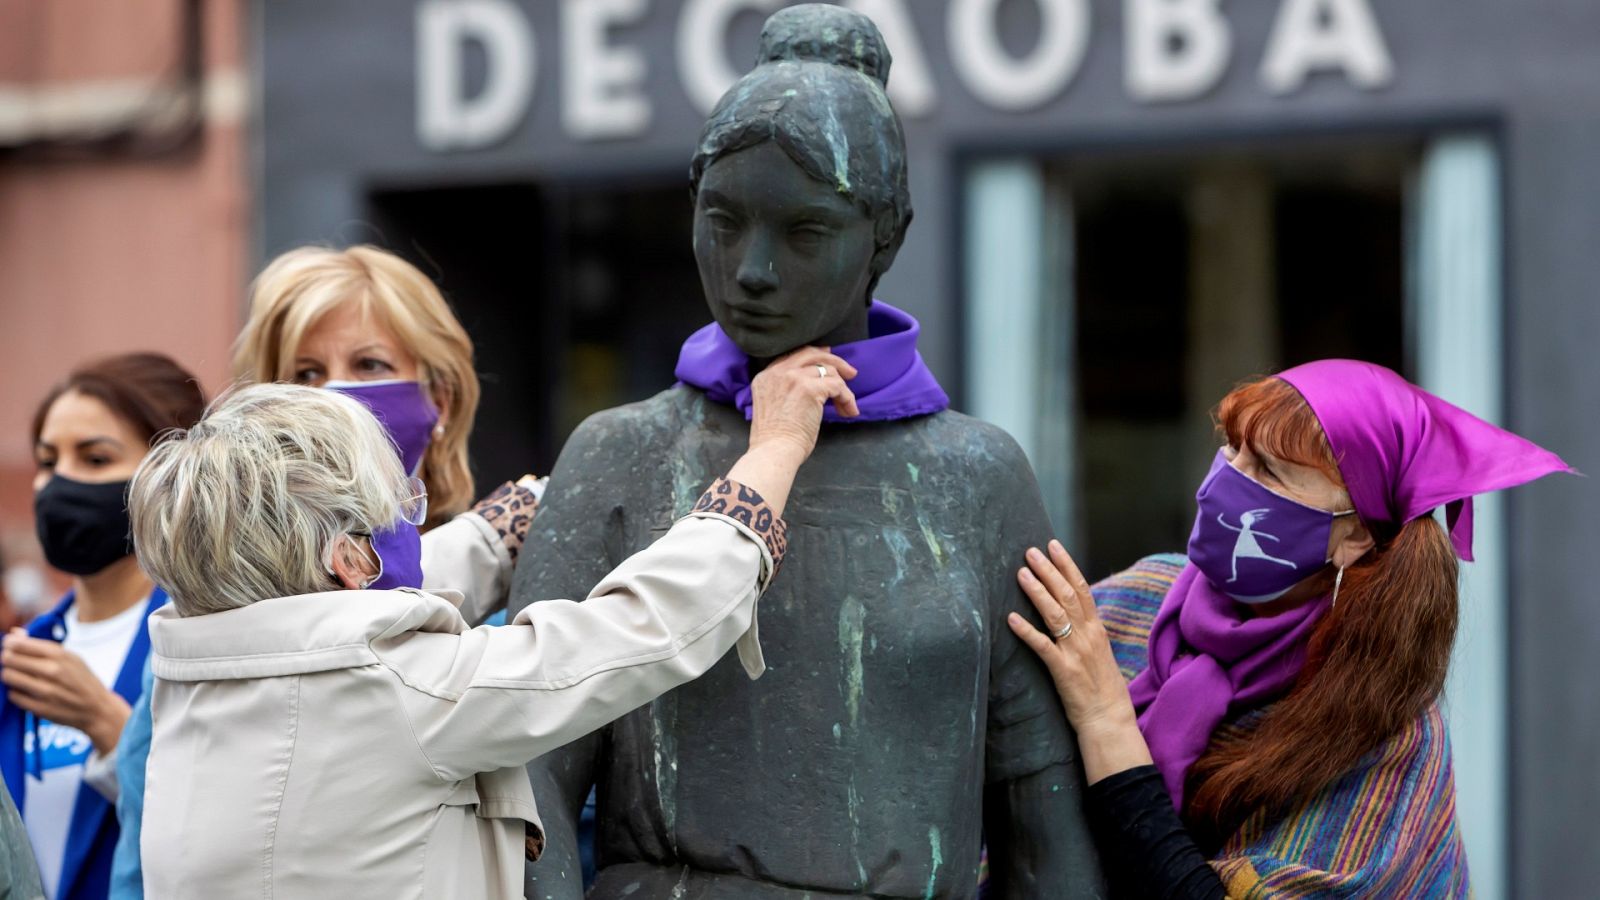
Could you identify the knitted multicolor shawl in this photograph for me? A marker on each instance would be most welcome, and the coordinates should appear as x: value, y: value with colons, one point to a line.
x: 1387, y: 828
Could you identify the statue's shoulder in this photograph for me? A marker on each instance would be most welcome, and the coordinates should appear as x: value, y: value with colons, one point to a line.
x: 979, y: 443
x: 657, y: 418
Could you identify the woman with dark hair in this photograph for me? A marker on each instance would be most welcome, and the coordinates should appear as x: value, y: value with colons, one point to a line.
x: 67, y: 682
x: 1260, y: 719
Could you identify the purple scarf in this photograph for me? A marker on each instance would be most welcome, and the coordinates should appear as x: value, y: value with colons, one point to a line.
x: 1402, y: 452
x: 1208, y: 658
x: 892, y: 381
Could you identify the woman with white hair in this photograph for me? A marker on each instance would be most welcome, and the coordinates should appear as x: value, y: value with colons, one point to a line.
x: 312, y: 738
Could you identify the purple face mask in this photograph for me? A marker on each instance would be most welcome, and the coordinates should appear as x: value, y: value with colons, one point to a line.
x: 399, y: 547
x: 404, y: 410
x: 399, y: 552
x: 1254, y: 544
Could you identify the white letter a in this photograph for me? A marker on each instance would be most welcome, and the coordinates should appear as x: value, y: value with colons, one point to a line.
x: 1312, y: 35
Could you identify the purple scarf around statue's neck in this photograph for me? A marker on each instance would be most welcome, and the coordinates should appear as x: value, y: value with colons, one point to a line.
x: 892, y: 381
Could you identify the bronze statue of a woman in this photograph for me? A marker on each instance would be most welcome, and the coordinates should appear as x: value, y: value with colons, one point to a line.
x: 899, y: 726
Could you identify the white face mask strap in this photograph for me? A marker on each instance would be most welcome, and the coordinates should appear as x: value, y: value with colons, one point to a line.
x: 327, y: 558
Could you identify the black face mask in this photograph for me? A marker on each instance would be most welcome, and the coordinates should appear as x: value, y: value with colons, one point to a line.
x: 82, y: 527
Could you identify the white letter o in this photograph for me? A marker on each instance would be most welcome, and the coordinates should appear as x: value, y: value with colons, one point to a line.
x: 999, y: 79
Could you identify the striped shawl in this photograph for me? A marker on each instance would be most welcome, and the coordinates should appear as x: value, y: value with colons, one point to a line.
x: 1387, y: 828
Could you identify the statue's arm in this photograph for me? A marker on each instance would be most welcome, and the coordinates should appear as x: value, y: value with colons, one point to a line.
x: 1034, y: 816
x: 573, y: 542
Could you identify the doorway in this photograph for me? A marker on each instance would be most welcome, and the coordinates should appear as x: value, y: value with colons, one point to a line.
x: 576, y: 297
x: 1195, y: 272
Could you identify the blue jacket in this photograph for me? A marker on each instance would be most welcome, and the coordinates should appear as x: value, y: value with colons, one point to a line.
x: 92, y: 837
x: 133, y: 751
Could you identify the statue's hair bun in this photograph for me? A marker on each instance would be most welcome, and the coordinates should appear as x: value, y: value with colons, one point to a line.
x: 820, y: 32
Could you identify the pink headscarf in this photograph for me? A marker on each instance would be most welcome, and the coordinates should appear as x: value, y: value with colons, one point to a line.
x: 1404, y: 452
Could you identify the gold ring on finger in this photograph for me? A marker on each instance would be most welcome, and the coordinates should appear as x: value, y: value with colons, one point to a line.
x: 1062, y: 632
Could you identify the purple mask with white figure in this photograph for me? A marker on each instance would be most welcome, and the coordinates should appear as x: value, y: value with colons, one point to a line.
x: 403, y: 408
x: 1252, y: 543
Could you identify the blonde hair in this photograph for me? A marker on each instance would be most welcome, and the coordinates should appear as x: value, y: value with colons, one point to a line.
x: 250, y: 502
x: 301, y: 286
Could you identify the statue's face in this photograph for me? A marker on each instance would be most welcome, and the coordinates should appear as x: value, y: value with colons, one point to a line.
x: 785, y: 259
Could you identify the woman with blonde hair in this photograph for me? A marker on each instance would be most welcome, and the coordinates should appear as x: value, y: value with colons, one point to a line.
x: 362, y: 318
x: 366, y: 323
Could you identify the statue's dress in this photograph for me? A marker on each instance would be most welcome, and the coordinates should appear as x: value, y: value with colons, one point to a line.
x: 899, y: 721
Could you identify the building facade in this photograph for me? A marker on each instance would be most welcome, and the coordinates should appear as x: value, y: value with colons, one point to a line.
x: 124, y: 210
x: 1122, y: 208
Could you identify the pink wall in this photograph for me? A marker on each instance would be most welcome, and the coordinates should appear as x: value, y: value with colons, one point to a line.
x: 105, y: 254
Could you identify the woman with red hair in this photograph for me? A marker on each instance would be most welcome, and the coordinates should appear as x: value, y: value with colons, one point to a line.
x: 1261, y: 718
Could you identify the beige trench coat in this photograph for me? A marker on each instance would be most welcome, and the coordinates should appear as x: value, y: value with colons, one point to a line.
x: 464, y: 556
x: 369, y: 744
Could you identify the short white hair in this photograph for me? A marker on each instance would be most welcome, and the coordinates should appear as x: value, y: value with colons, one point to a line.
x: 248, y: 504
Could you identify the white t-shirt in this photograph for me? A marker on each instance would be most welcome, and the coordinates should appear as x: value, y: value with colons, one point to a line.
x: 49, y: 800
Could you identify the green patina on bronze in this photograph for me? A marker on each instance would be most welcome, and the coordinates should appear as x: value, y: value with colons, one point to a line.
x: 899, y: 724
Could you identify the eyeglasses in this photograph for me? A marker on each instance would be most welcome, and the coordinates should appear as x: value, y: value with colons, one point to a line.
x: 414, y: 509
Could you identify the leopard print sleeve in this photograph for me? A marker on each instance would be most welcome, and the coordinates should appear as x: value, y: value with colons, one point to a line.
x: 510, y: 509
x: 743, y: 505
